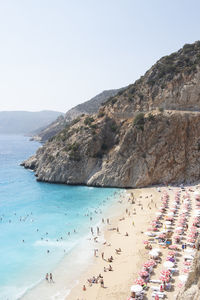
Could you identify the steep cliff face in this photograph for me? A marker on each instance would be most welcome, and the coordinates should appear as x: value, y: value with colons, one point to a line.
x: 191, y: 289
x: 124, y: 148
x: 88, y: 107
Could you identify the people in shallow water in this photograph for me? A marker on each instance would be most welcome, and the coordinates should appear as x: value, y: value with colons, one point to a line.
x: 47, y: 277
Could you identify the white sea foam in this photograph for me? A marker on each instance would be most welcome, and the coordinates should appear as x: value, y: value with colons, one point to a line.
x: 53, y: 243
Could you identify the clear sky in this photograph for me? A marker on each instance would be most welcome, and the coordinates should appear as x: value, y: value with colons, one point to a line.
x: 55, y: 54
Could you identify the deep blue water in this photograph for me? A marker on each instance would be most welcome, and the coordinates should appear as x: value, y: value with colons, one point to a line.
x: 41, y: 214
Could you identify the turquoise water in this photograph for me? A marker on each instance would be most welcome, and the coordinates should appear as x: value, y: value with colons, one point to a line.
x: 36, y: 217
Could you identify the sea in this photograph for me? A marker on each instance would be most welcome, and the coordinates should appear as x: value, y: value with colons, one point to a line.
x: 40, y: 223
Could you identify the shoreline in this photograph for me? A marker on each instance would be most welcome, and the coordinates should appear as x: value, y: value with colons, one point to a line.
x: 122, y: 269
x: 127, y: 264
x: 65, y: 281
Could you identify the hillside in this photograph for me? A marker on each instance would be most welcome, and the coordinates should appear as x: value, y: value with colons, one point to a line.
x: 147, y: 134
x: 24, y: 122
x: 89, y: 107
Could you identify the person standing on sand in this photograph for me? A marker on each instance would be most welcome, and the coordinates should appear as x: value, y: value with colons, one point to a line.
x: 51, y: 277
x: 92, y: 231
x: 47, y: 277
x: 108, y: 221
x: 97, y: 230
x: 102, y: 283
x: 102, y: 255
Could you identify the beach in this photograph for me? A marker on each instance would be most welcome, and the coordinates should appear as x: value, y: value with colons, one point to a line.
x: 128, y: 263
x: 129, y: 219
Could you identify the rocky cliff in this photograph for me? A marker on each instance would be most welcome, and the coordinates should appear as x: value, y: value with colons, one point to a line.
x: 88, y: 107
x: 191, y: 289
x: 146, y: 134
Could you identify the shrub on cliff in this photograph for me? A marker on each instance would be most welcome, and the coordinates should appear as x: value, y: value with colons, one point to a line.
x: 88, y: 120
x: 139, y: 121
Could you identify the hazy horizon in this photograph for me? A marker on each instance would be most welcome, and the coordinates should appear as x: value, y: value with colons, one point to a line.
x: 56, y: 55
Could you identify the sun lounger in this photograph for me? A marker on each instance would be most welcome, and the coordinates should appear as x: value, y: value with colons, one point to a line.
x: 161, y: 295
x: 155, y: 281
x: 174, y: 270
x: 155, y: 288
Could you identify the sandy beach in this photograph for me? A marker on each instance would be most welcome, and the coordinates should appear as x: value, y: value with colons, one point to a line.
x: 128, y: 263
x: 133, y: 213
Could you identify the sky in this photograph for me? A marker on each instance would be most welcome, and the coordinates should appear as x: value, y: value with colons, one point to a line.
x: 55, y: 54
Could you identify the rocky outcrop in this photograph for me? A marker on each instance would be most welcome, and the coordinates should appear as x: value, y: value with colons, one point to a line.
x: 191, y: 289
x: 88, y: 107
x: 132, y: 142
x: 165, y: 147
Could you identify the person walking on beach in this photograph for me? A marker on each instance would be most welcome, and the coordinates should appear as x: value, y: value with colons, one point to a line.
x: 102, y: 255
x: 102, y: 283
x: 108, y: 221
x: 47, y: 277
x: 97, y: 230
x: 92, y: 231
x: 51, y: 277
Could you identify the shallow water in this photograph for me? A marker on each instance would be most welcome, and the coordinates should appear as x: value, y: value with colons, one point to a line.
x: 36, y: 217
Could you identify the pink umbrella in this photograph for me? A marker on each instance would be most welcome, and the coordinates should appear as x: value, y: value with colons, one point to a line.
x: 152, y: 262
x: 191, y: 241
x: 165, y: 272
x: 162, y: 236
x: 173, y: 247
x: 192, y: 235
x: 139, y: 281
x: 146, y: 242
x: 164, y: 278
x: 186, y: 270
x: 171, y: 253
x: 143, y: 273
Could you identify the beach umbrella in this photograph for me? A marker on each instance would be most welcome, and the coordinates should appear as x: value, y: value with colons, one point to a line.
x: 192, y: 252
x: 158, y: 213
x: 183, y: 278
x: 136, y: 288
x: 164, y: 278
x: 143, y: 273
x: 165, y: 272
x: 187, y: 256
x: 192, y: 234
x: 168, y: 222
x: 176, y: 237
x: 149, y: 233
x: 191, y: 241
x: 154, y: 253
x: 152, y: 262
x: 146, y: 242
x: 179, y: 228
x: 172, y: 253
x: 170, y: 214
x: 140, y: 281
x: 168, y: 264
x: 185, y: 270
x: 157, y: 250
x: 162, y: 236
